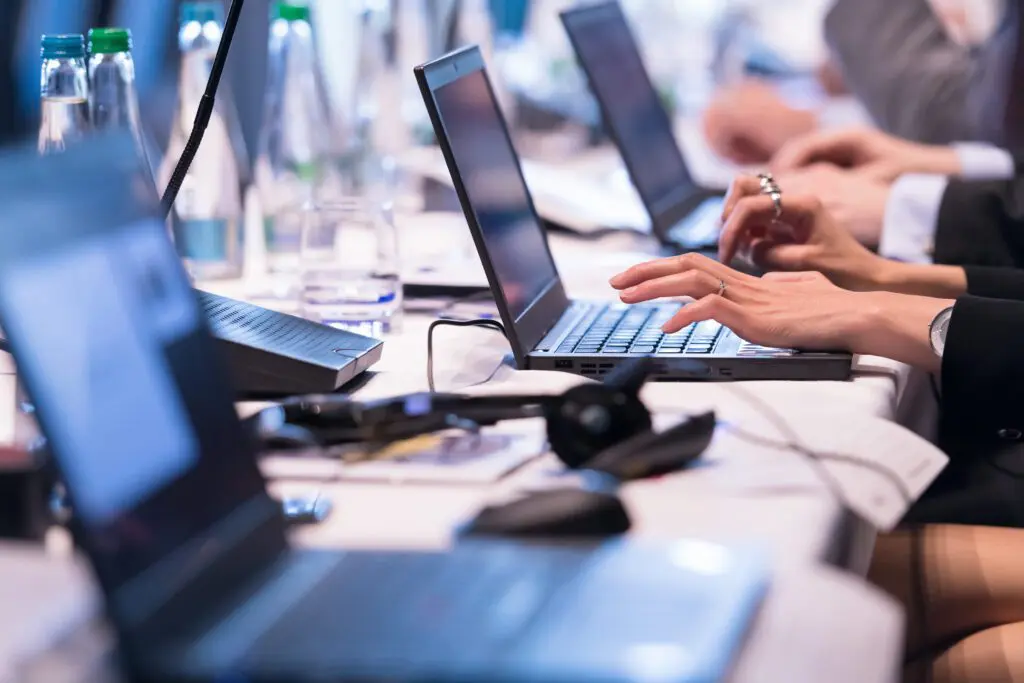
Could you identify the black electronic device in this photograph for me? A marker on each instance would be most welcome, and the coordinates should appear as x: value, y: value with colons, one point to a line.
x: 603, y: 427
x: 576, y: 513
x: 684, y: 215
x: 546, y: 329
x: 191, y: 552
x: 273, y: 353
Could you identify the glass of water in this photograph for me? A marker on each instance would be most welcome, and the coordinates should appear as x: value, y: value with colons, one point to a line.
x: 348, y: 262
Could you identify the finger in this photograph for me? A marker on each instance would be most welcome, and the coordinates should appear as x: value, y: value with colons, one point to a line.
x: 651, y: 270
x: 694, y: 283
x: 775, y: 255
x: 805, y: 276
x: 797, y: 210
x: 834, y: 147
x: 757, y: 214
x: 711, y: 307
x: 742, y: 186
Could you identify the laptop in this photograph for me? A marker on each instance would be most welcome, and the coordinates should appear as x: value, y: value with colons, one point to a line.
x: 684, y: 216
x: 190, y: 551
x: 546, y: 329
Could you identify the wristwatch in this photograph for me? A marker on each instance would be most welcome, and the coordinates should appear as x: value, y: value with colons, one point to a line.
x: 938, y: 329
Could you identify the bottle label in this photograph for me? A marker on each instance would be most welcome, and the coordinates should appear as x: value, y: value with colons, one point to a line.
x: 204, y: 240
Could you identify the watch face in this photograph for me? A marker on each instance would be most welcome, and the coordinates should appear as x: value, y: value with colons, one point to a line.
x: 939, y: 329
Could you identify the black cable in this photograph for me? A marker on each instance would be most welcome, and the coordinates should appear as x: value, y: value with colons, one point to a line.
x: 204, y: 112
x: 816, y: 459
x: 485, y: 323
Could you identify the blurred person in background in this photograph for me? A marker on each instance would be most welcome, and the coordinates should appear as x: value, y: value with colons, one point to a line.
x: 912, y: 66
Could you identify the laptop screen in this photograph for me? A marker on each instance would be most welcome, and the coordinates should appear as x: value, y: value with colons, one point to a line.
x: 632, y: 110
x: 489, y: 170
x: 129, y: 392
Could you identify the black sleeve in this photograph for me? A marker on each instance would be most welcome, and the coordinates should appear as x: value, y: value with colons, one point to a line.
x: 995, y: 283
x: 983, y: 367
x: 981, y: 223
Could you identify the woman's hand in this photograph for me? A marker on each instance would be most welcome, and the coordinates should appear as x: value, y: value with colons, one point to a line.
x: 804, y: 238
x: 749, y: 122
x: 788, y: 310
x: 867, y: 151
x: 801, y: 310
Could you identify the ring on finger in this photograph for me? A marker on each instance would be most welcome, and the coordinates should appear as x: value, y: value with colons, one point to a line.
x: 722, y: 286
x: 776, y: 197
x: 768, y: 184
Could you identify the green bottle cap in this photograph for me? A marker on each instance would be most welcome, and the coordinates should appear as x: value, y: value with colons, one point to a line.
x: 289, y: 11
x: 66, y: 46
x: 105, y: 41
x: 202, y: 12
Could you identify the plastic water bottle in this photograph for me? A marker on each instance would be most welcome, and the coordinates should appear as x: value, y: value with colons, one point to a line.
x: 64, y: 91
x: 292, y: 145
x: 113, y: 102
x: 207, y: 218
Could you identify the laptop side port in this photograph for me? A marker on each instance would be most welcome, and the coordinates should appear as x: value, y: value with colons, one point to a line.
x: 563, y: 364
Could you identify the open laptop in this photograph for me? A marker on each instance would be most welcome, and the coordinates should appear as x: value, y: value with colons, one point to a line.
x: 546, y: 329
x: 684, y: 216
x: 189, y: 549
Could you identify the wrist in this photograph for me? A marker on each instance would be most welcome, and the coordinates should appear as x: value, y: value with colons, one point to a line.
x: 871, y: 273
x: 938, y: 160
x: 896, y: 326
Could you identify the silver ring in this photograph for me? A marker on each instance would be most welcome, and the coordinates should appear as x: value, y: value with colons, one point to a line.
x: 767, y: 180
x: 777, y: 201
x: 722, y: 287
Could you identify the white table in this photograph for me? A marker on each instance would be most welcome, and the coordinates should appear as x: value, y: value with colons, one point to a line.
x: 802, y: 528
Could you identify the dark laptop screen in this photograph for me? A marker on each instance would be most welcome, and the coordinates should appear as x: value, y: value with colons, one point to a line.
x: 128, y: 387
x: 632, y: 110
x: 489, y: 170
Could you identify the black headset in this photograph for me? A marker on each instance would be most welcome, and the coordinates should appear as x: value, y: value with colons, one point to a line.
x: 598, y: 426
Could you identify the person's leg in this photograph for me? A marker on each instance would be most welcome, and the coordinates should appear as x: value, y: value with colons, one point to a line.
x: 992, y: 656
x: 952, y: 580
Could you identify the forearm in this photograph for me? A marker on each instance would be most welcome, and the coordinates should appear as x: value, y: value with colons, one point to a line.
x: 946, y: 282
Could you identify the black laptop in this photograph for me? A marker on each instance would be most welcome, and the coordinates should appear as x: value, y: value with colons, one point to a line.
x: 547, y: 330
x: 684, y: 216
x: 190, y: 551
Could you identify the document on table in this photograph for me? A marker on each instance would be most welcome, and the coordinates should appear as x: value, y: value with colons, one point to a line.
x: 878, y: 467
x: 451, y: 457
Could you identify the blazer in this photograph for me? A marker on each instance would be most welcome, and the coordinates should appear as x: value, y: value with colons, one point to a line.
x: 981, y: 223
x: 982, y: 407
x: 918, y: 83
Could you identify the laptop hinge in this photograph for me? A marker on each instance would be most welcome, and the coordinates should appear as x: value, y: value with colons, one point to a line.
x: 185, y: 588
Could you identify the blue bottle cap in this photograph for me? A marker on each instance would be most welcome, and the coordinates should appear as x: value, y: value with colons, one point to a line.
x: 63, y: 46
x: 202, y: 12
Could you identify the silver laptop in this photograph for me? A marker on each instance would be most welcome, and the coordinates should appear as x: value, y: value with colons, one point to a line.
x: 547, y: 330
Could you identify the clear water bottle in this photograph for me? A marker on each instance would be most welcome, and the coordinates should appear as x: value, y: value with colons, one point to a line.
x: 207, y: 219
x: 64, y: 90
x: 292, y: 145
x: 113, y: 102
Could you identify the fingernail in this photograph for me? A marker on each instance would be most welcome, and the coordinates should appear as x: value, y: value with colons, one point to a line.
x: 632, y: 291
x: 614, y: 282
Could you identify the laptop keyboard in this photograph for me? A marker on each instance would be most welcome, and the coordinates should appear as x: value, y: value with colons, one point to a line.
x: 622, y: 329
x: 402, y: 605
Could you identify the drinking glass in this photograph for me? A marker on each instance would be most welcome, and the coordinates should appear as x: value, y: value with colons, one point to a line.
x: 349, y: 273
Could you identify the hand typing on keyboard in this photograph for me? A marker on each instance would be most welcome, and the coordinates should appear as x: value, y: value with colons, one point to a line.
x: 791, y: 310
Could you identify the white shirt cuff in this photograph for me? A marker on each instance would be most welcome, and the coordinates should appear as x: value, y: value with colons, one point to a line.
x: 984, y: 162
x: 912, y: 217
